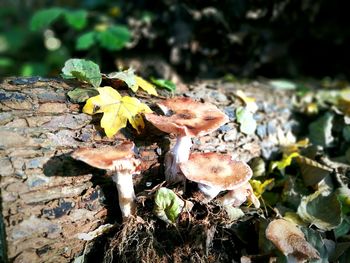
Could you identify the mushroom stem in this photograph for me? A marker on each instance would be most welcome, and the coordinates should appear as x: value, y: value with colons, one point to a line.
x: 238, y: 196
x: 209, y: 192
x: 126, y: 194
x: 179, y: 154
x: 181, y: 150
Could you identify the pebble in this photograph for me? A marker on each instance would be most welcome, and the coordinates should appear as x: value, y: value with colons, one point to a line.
x: 230, y: 136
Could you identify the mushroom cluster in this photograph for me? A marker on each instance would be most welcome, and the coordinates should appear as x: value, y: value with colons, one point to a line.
x: 213, y: 172
x: 186, y: 119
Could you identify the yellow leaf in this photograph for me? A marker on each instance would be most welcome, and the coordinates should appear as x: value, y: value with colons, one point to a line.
x: 286, y: 161
x: 248, y: 101
x: 146, y: 86
x: 260, y: 187
x: 117, y: 110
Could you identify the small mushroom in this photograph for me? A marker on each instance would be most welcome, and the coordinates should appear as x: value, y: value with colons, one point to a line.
x: 290, y: 240
x: 121, y: 162
x: 216, y: 172
x: 185, y: 118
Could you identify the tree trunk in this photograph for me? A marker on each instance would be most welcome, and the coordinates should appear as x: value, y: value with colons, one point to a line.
x: 47, y: 198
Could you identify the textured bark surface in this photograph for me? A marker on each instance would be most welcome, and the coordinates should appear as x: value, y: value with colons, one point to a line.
x: 47, y: 198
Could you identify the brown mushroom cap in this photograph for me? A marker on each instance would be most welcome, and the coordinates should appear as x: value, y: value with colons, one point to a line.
x: 109, y: 158
x: 290, y: 240
x: 216, y: 170
x: 189, y: 117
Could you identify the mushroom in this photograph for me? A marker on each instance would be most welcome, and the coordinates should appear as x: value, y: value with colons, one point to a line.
x: 290, y: 240
x: 121, y: 162
x: 185, y: 118
x: 216, y: 172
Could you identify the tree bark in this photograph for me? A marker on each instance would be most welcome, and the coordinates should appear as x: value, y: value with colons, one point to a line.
x: 47, y: 198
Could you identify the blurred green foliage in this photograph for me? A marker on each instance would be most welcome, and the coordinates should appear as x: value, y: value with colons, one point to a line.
x: 40, y: 39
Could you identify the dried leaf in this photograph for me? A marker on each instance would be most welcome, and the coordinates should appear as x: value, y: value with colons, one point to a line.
x: 117, y: 110
x: 290, y: 240
x: 312, y: 171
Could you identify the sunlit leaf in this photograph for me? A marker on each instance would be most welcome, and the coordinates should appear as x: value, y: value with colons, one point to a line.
x: 163, y: 83
x: 128, y: 76
x: 43, y: 18
x: 249, y: 102
x: 84, y: 70
x: 260, y: 187
x: 117, y: 110
x: 133, y: 81
x: 146, y: 86
x: 320, y: 131
x: 285, y: 162
x: 167, y: 205
x: 321, y: 209
x: 246, y: 120
x: 295, y: 147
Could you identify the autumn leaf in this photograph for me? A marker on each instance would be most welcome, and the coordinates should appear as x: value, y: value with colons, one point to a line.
x: 133, y: 81
x: 146, y: 86
x: 117, y: 110
x: 285, y: 162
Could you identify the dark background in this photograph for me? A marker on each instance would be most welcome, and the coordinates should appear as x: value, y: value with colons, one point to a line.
x: 200, y: 38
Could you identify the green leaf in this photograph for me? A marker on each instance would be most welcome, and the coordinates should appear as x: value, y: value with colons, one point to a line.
x: 168, y: 205
x: 283, y: 84
x: 84, y: 70
x: 127, y: 76
x: 114, y: 38
x: 346, y: 133
x: 342, y: 229
x: 323, y: 211
x: 85, y: 41
x: 76, y: 19
x: 6, y: 62
x: 163, y: 83
x: 79, y: 95
x: 320, y: 131
x: 43, y: 18
x: 245, y: 118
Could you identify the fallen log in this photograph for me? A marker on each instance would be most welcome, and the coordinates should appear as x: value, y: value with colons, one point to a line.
x: 47, y: 198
